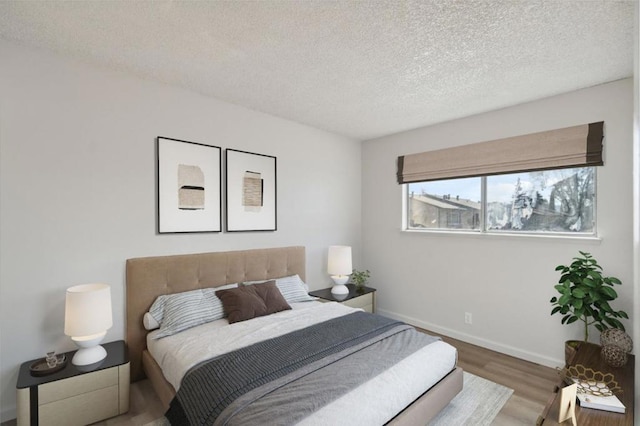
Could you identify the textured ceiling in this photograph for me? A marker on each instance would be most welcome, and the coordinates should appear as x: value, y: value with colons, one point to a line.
x: 358, y: 68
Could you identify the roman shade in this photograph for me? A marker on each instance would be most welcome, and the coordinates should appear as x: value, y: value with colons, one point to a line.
x: 577, y: 146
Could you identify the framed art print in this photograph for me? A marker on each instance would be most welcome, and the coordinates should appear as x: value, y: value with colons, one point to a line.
x: 189, y: 187
x: 251, y: 195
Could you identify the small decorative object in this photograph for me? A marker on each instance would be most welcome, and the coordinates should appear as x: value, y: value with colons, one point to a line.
x: 339, y: 267
x: 614, y: 355
x: 51, y: 359
x: 614, y: 336
x: 87, y: 318
x: 251, y: 191
x: 585, y: 295
x: 189, y: 187
x: 360, y: 278
x: 594, y: 388
x: 48, y: 365
x: 567, y: 405
x: 590, y: 381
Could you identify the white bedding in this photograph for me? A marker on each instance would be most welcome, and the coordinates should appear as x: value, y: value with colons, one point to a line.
x: 176, y: 354
x: 404, y: 383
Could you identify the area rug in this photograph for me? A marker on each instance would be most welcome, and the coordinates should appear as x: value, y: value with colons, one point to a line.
x: 477, y: 404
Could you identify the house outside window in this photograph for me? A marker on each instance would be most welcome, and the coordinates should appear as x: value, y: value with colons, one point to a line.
x: 550, y: 202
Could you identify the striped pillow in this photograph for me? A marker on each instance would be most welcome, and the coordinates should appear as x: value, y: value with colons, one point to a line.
x: 157, y: 309
x: 293, y: 289
x: 189, y: 309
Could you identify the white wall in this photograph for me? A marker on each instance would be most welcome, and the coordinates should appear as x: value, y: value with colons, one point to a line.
x: 78, y: 190
x: 430, y: 280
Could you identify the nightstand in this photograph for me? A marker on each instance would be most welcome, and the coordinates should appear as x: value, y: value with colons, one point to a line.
x: 588, y: 355
x: 76, y: 395
x: 364, y: 298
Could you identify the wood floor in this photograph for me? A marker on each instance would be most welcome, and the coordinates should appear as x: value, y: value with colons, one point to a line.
x: 532, y: 385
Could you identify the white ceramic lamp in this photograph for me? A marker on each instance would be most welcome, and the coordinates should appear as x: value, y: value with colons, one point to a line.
x: 339, y: 267
x: 87, y: 317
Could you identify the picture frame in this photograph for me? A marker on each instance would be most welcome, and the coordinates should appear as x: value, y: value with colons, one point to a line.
x: 567, y: 409
x: 189, y: 186
x: 251, y: 191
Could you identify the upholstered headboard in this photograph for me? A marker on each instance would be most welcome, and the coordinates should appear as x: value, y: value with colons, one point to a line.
x: 149, y: 277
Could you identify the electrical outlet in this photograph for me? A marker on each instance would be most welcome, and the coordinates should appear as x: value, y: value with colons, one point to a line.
x: 468, y: 318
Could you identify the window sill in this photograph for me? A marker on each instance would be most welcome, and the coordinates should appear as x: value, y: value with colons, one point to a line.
x: 502, y: 235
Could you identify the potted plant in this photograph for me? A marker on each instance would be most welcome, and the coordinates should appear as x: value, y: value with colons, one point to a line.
x: 360, y: 278
x: 585, y: 295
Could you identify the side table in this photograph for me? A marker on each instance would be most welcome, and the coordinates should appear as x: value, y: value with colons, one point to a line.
x: 364, y: 298
x: 76, y: 395
x: 588, y: 355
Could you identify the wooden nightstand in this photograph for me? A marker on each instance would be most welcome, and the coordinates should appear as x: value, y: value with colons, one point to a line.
x: 76, y: 395
x: 588, y: 355
x: 364, y: 298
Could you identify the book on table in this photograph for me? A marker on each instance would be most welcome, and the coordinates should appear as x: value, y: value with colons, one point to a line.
x: 607, y: 403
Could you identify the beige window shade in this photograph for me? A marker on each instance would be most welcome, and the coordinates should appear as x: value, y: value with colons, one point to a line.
x: 577, y: 146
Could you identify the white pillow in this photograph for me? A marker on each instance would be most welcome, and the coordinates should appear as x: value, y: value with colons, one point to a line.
x: 157, y: 309
x: 293, y: 289
x: 150, y: 322
x: 181, y: 311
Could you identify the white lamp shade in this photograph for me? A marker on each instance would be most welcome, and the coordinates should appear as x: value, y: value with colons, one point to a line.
x: 339, y: 262
x: 87, y: 310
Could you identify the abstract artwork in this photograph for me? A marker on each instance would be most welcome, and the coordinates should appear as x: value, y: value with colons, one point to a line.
x: 189, y: 187
x: 251, y: 191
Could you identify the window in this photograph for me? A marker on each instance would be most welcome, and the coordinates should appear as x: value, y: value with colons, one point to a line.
x: 541, y: 183
x: 445, y: 204
x: 558, y: 201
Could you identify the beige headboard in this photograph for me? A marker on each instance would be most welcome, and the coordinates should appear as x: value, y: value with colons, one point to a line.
x: 149, y: 277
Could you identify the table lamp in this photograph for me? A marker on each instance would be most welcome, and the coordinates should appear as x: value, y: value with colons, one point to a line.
x: 87, y: 318
x: 339, y: 267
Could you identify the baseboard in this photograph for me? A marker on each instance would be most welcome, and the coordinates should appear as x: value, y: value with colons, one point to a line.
x: 489, y: 344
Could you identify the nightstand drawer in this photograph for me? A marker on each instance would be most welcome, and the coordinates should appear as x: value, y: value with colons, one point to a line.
x: 63, y: 389
x: 363, y: 301
x: 82, y: 409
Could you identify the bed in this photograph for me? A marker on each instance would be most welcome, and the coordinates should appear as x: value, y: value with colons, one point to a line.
x: 404, y: 397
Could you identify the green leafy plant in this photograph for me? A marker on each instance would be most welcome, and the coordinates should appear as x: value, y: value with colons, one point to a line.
x: 585, y: 295
x: 360, y: 278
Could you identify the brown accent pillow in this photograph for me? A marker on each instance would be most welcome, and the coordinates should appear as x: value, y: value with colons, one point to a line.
x: 271, y: 296
x: 241, y: 303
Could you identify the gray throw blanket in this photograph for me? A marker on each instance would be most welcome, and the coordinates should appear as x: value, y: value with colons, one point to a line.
x: 223, y: 387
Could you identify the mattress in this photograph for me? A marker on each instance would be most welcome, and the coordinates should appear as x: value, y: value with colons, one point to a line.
x: 386, y: 394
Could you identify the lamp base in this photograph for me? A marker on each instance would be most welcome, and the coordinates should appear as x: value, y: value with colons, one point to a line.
x: 339, y: 290
x: 90, y: 350
x: 86, y: 356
